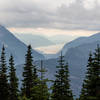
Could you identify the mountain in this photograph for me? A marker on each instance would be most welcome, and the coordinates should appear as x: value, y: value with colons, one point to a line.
x: 15, y: 46
x: 34, y: 40
x: 79, y: 41
x: 61, y: 39
x: 77, y: 58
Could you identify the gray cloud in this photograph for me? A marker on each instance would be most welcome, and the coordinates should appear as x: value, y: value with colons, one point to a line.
x: 77, y: 17
x: 23, y: 13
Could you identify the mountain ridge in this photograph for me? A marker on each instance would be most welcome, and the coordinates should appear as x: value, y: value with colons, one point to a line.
x: 34, y: 40
x: 79, y: 41
x: 15, y: 46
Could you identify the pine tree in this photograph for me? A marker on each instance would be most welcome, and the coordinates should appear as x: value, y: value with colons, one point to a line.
x: 88, y: 84
x: 61, y: 87
x: 23, y: 98
x: 35, y: 88
x: 4, y: 86
x: 97, y: 71
x: 41, y: 89
x: 35, y: 76
x: 13, y: 80
x: 28, y: 81
x: 44, y: 94
x: 91, y: 84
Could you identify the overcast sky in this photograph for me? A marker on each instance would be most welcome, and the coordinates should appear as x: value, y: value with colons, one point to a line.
x: 51, y: 16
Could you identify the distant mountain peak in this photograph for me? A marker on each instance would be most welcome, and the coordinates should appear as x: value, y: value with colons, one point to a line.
x: 15, y: 46
x: 81, y: 40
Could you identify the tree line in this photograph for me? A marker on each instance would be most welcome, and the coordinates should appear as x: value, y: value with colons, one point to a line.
x: 34, y: 84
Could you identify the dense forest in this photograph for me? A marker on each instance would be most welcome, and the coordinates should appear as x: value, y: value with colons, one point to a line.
x: 35, y: 84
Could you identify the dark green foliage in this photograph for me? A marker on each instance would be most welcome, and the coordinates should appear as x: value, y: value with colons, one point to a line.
x: 40, y: 91
x: 61, y: 87
x: 13, y: 80
x: 91, y: 84
x: 28, y: 74
x: 33, y: 87
x: 35, y: 76
x: 23, y: 98
x: 4, y: 86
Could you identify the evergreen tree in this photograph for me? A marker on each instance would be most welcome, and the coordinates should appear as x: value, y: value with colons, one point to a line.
x: 97, y: 71
x: 28, y: 74
x: 88, y: 84
x: 23, y: 98
x: 44, y: 93
x: 35, y: 76
x: 91, y: 84
x: 4, y: 86
x: 13, y: 80
x: 35, y: 88
x: 41, y: 89
x: 61, y: 87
